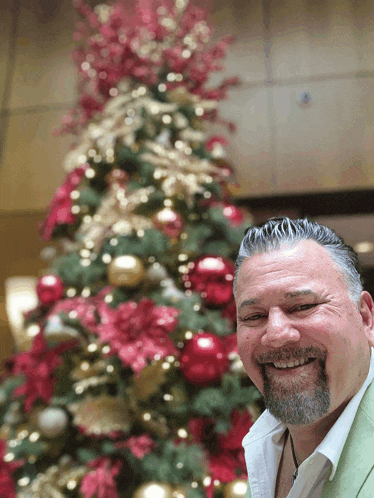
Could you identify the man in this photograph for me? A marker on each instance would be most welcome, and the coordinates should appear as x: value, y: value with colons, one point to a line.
x: 305, y: 332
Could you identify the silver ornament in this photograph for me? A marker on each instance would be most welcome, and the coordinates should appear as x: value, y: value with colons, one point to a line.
x: 56, y: 330
x: 156, y: 273
x: 52, y: 422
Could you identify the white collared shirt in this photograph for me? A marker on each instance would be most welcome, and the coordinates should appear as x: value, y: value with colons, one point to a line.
x: 263, y: 447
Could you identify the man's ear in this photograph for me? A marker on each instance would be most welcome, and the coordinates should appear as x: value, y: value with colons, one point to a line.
x: 366, y: 310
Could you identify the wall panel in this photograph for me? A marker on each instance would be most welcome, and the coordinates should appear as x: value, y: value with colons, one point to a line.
x: 6, y: 26
x: 32, y: 160
x: 250, y: 149
x: 44, y: 73
x: 328, y: 144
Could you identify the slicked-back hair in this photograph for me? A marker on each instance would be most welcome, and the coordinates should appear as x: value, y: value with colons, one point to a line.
x: 283, y: 231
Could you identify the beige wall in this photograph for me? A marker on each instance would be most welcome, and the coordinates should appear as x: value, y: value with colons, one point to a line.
x: 282, y: 48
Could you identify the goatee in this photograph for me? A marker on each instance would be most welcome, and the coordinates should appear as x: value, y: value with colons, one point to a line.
x: 297, y: 404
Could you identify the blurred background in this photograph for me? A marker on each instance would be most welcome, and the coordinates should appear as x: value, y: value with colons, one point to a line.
x: 304, y: 112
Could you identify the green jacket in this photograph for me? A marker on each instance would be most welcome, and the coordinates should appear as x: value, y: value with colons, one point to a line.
x: 354, y: 477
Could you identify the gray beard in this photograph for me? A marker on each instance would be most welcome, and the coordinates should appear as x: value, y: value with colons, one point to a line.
x: 297, y: 408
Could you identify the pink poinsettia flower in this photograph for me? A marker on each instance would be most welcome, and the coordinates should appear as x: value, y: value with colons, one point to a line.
x: 138, y: 332
x: 61, y: 204
x: 100, y: 483
x: 138, y: 445
x: 84, y: 309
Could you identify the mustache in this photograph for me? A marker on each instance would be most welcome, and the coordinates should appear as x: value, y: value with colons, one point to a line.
x: 286, y: 355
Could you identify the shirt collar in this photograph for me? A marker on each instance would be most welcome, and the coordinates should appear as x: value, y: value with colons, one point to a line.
x: 332, y: 445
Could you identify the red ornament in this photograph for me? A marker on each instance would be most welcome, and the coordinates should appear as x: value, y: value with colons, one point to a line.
x: 204, y: 359
x: 212, y: 277
x: 49, y: 289
x: 233, y: 214
x: 169, y: 222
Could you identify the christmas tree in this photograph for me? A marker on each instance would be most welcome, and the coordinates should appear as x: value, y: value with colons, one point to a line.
x: 132, y: 386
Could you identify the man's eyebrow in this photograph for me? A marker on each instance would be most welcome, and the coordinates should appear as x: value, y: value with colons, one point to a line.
x: 248, y: 302
x: 299, y: 293
x: 292, y: 295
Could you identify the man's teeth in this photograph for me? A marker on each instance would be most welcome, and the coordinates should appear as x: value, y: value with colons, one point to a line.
x: 290, y: 364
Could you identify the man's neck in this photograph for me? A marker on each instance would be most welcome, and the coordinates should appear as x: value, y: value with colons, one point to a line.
x: 306, y: 438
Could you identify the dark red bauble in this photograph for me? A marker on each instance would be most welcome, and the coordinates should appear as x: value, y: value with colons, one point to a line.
x: 169, y: 222
x: 204, y: 359
x: 233, y: 213
x: 49, y: 289
x: 212, y: 277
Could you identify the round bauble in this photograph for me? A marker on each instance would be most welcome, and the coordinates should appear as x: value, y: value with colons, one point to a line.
x: 52, y: 422
x: 49, y: 289
x: 236, y: 489
x: 212, y: 277
x: 169, y: 222
x: 233, y: 213
x: 204, y: 359
x: 126, y: 271
x: 154, y: 490
x: 156, y: 273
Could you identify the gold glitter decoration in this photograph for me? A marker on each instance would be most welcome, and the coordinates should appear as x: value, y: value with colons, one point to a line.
x: 149, y: 380
x: 122, y: 117
x: 154, y: 425
x: 85, y: 370
x: 102, y: 414
x: 52, y: 482
x: 115, y: 216
x: 179, y: 172
x: 84, y: 384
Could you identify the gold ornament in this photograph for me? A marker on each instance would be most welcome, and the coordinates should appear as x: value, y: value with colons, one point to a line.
x: 126, y: 270
x: 101, y: 415
x: 52, y: 482
x: 153, y: 489
x: 236, y: 489
x: 180, y: 492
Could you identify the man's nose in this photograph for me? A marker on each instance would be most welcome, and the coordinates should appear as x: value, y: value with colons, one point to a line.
x: 279, y: 329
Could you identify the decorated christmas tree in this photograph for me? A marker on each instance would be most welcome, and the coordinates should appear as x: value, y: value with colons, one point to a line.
x: 132, y: 386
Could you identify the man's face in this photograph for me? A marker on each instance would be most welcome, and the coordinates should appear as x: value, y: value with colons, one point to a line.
x: 293, y: 304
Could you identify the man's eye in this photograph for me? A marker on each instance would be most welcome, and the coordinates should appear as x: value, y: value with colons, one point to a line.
x: 252, y: 318
x: 304, y: 307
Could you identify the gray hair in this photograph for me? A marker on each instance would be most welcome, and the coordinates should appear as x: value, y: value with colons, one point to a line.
x: 277, y: 231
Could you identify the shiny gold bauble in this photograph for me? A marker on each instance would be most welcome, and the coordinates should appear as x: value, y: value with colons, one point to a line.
x: 126, y: 271
x: 154, y: 490
x: 236, y: 489
x: 180, y: 492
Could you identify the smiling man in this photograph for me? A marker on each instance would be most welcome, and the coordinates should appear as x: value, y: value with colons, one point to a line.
x: 305, y: 334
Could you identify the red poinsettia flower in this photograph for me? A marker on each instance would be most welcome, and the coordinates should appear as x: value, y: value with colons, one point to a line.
x: 61, y: 204
x: 224, y: 452
x: 38, y: 366
x: 100, y: 482
x: 7, y: 485
x: 138, y: 332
